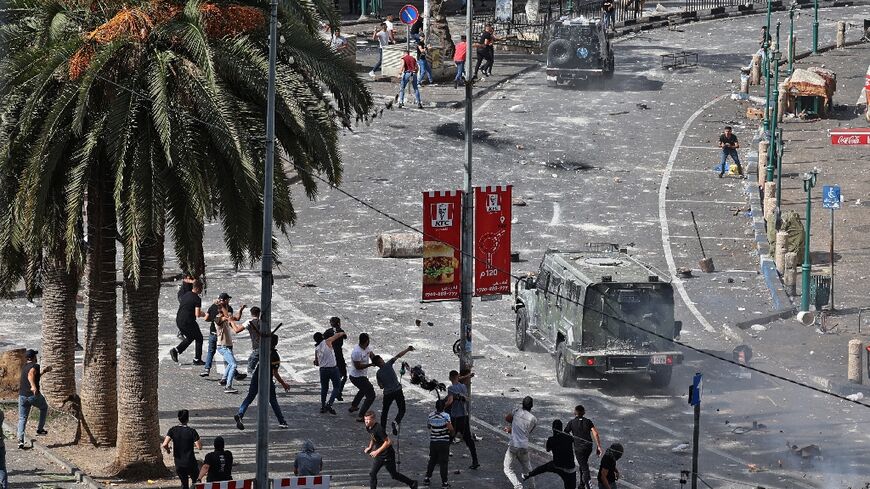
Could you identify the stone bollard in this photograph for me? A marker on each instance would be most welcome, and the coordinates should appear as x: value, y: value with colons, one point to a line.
x: 762, y: 162
x: 755, y: 72
x: 769, y: 188
x: 780, y: 249
x: 855, y: 372
x: 780, y: 106
x: 790, y: 276
x: 769, y: 199
x: 841, y: 34
x: 744, y: 83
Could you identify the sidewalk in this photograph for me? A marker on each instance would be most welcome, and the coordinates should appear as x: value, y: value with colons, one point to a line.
x: 31, y: 468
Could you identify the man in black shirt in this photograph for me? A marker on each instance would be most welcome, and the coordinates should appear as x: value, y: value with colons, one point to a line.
x: 583, y: 431
x: 189, y: 310
x: 607, y: 472
x: 183, y: 439
x: 211, y: 316
x: 217, y: 465
x: 381, y: 450
x: 29, y: 395
x: 338, y: 350
x: 608, y: 10
x: 729, y: 144
x: 561, y: 445
x: 485, y: 51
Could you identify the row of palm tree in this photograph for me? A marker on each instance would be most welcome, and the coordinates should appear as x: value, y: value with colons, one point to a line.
x: 133, y: 122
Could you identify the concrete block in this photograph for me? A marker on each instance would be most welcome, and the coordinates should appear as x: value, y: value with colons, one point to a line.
x: 780, y: 250
x: 854, y: 371
x: 841, y: 34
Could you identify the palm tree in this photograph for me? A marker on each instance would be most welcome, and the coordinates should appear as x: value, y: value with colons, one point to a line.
x: 165, y: 101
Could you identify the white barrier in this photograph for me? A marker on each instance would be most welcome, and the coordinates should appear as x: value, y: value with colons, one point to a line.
x: 302, y: 482
x: 245, y: 484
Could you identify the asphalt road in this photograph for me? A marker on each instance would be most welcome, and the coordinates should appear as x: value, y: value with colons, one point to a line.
x: 590, y: 162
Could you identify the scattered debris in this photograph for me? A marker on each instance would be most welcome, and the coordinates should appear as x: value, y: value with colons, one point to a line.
x: 682, y: 447
x: 642, y: 106
x: 518, y: 109
x: 855, y: 397
x: 755, y: 468
x: 684, y: 272
x: 520, y: 147
x: 618, y: 113
x: 754, y: 113
x: 305, y: 284
x: 809, y: 451
x: 518, y: 202
x: 757, y: 327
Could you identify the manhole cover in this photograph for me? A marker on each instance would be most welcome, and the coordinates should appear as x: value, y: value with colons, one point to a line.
x: 603, y: 261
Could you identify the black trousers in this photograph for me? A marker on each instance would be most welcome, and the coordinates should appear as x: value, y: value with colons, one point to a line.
x: 187, y: 475
x: 462, y: 425
x: 399, y: 398
x: 582, y: 453
x: 367, y: 390
x: 191, y: 334
x: 388, y: 460
x: 482, y: 56
x: 439, y: 454
x: 568, y: 478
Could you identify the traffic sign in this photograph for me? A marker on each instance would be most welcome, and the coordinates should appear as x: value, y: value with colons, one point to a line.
x: 695, y: 390
x: 831, y: 197
x: 409, y: 14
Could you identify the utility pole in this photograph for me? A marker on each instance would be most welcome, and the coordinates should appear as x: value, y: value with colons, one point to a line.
x: 809, y: 182
x: 791, y: 10
x: 265, y: 372
x: 467, y: 290
x: 815, y: 26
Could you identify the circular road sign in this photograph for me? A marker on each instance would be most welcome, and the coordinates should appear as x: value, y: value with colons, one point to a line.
x: 408, y: 15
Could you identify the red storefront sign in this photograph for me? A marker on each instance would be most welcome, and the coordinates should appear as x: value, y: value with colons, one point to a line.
x: 850, y: 137
x: 442, y: 232
x: 492, y: 240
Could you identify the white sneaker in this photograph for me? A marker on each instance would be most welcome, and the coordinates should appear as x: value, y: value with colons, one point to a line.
x: 372, y: 74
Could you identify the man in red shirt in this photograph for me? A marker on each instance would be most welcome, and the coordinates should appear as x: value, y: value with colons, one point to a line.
x: 409, y: 72
x: 459, y: 59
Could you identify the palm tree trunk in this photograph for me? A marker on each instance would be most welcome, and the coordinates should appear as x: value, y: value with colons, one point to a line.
x: 59, y: 288
x: 138, y: 454
x: 99, y: 392
x: 441, y: 29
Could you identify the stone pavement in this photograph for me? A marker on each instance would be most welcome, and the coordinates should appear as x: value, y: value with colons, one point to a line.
x: 31, y: 468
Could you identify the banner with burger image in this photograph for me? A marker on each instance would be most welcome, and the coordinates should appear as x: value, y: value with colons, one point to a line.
x: 442, y: 237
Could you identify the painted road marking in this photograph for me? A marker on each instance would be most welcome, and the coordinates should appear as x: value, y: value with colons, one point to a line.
x: 723, y: 202
x: 708, y: 148
x: 500, y: 350
x: 663, y: 216
x: 715, y: 237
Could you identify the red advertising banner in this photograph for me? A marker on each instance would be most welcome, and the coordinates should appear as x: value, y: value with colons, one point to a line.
x: 850, y: 137
x: 492, y: 240
x: 442, y: 239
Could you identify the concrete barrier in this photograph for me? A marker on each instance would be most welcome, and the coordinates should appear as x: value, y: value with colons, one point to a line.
x: 302, y: 482
x: 244, y: 484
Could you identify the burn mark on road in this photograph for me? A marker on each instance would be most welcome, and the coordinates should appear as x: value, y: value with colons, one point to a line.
x: 455, y: 130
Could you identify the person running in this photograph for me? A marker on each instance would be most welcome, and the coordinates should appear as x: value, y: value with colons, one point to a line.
x: 212, y: 316
x: 409, y: 73
x: 324, y: 357
x: 360, y: 359
x: 440, y: 432
x: 457, y: 406
x: 522, y: 423
x: 217, y: 465
x: 253, y: 327
x: 380, y: 449
x: 423, y: 60
x: 383, y: 39
x: 583, y: 431
x: 185, y: 287
x: 389, y: 382
x: 29, y: 395
x: 485, y: 51
x: 275, y: 361
x: 183, y: 439
x: 729, y: 144
x: 608, y: 474
x: 189, y: 310
x: 308, y: 461
x: 338, y: 348
x: 459, y: 58
x: 226, y: 326
x: 608, y: 15
x: 561, y: 445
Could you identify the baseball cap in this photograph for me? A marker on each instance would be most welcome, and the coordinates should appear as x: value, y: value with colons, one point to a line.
x: 30, y: 354
x: 224, y: 296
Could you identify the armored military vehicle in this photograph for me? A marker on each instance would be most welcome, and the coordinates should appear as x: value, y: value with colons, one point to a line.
x: 587, y: 309
x: 578, y: 48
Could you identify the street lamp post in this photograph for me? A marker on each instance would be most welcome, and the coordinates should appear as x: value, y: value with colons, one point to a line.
x: 766, y: 46
x: 467, y: 265
x: 772, y: 140
x: 809, y: 182
x: 791, y: 42
x: 781, y: 148
x: 815, y: 26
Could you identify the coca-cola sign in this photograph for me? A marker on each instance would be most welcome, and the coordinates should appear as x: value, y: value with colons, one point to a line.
x: 850, y: 137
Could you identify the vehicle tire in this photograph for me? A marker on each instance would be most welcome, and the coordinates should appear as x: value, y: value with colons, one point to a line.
x: 565, y: 373
x: 522, y: 328
x: 661, y: 376
x: 560, y: 52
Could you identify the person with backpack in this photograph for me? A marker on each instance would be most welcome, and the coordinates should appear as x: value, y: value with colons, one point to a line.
x: 583, y: 431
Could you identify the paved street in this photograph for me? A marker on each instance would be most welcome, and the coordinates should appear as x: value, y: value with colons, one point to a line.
x: 622, y: 161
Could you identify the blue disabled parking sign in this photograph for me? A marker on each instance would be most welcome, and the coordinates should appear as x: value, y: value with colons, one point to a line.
x: 831, y: 197
x: 408, y: 15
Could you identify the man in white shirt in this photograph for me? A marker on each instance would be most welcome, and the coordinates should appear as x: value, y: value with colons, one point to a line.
x: 522, y: 423
x: 381, y: 35
x: 391, y: 30
x: 324, y: 357
x: 360, y: 359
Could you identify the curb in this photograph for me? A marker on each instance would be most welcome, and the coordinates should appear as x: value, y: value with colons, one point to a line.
x: 71, y: 469
x: 840, y: 388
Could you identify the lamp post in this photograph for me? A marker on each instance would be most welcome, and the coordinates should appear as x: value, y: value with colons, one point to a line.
x: 791, y: 43
x: 815, y: 26
x: 772, y: 141
x: 781, y: 148
x: 766, y: 45
x: 809, y: 182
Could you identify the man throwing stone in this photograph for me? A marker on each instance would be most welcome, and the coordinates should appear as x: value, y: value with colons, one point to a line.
x: 389, y: 382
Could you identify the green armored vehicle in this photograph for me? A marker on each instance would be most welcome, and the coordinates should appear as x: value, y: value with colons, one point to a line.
x: 581, y: 306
